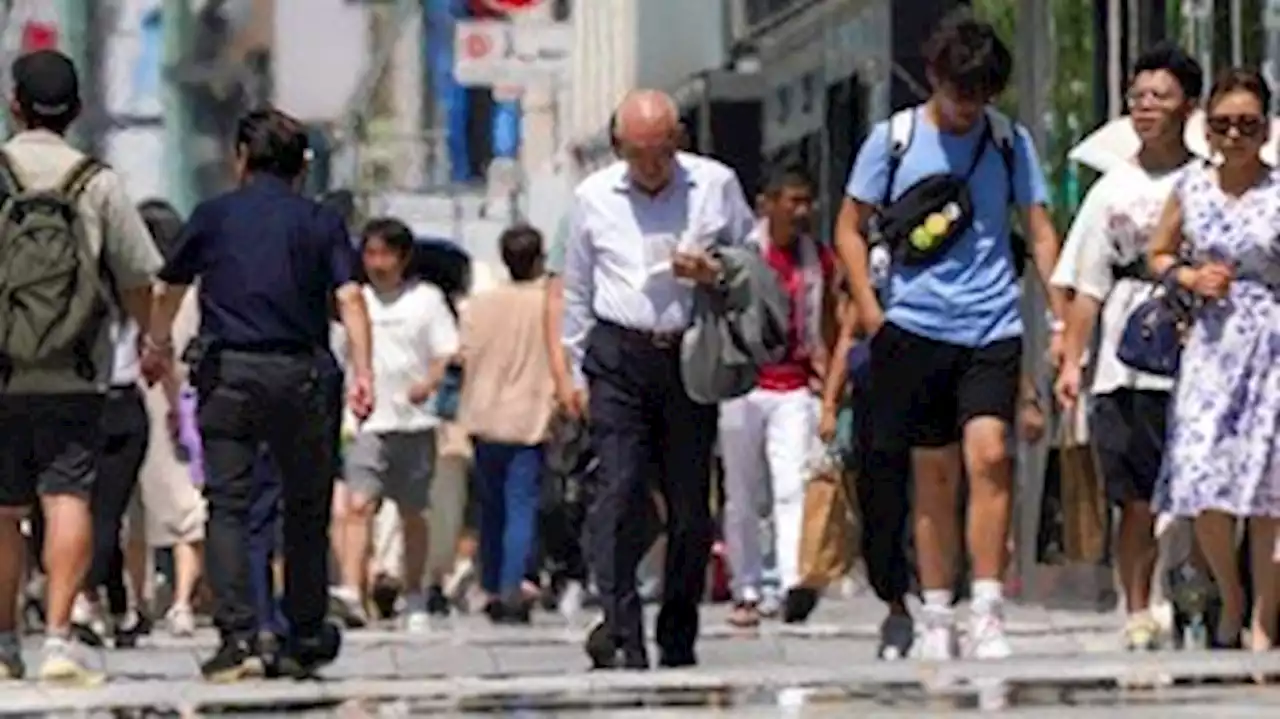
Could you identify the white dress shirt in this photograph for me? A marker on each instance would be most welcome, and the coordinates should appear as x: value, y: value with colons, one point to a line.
x: 617, y: 264
x: 126, y: 366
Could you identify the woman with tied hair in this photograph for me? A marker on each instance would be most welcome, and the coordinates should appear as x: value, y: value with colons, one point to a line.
x: 168, y: 510
x: 1216, y: 238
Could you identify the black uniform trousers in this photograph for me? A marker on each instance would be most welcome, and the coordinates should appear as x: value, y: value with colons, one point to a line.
x: 883, y: 486
x: 289, y: 400
x: 646, y: 431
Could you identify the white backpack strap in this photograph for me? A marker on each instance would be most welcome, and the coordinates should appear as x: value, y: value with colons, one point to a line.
x: 1001, y: 129
x: 902, y: 126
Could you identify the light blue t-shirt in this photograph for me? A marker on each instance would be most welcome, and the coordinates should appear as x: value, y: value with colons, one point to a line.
x: 970, y: 295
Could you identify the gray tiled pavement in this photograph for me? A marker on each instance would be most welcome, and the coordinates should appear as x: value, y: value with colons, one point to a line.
x: 465, y: 663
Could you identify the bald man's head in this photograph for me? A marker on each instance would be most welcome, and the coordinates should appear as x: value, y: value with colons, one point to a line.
x: 648, y: 134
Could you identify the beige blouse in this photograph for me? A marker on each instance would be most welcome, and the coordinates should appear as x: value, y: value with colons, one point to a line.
x: 507, y: 389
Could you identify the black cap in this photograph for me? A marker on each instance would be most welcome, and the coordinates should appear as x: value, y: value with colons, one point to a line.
x: 45, y: 84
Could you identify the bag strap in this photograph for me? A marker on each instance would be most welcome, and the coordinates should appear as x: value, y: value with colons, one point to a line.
x: 9, y: 175
x: 79, y: 176
x: 902, y: 130
x: 1002, y: 134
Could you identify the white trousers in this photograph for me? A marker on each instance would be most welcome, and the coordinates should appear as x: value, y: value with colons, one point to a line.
x: 765, y: 437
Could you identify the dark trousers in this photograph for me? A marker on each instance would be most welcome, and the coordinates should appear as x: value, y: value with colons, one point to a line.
x: 264, y: 538
x: 884, y: 480
x: 646, y: 430
x: 290, y: 403
x: 508, y: 479
x: 126, y: 431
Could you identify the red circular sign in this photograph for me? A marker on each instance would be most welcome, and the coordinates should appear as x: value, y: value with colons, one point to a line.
x: 477, y: 45
x: 510, y: 5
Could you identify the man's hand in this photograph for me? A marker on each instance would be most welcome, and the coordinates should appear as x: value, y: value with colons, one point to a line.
x: 827, y: 423
x: 360, y: 396
x: 1067, y: 388
x: 1057, y: 347
x: 157, y: 359
x: 697, y: 266
x: 569, y: 401
x: 421, y: 391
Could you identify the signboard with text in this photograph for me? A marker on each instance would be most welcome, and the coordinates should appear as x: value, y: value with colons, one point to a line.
x: 494, y: 52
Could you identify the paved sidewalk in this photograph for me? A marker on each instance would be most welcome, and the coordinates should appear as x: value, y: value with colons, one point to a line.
x: 466, y: 663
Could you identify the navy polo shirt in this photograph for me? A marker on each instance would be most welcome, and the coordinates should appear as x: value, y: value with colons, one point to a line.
x: 268, y: 261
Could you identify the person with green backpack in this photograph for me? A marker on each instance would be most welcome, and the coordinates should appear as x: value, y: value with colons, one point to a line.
x: 74, y: 252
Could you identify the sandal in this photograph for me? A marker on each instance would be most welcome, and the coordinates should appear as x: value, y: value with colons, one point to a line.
x: 745, y: 615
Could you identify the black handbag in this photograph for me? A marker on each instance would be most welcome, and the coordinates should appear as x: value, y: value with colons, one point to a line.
x: 1157, y: 329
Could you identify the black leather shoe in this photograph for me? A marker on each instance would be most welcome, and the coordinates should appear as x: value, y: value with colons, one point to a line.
x: 677, y: 658
x: 799, y: 605
x: 304, y: 656
x: 600, y: 647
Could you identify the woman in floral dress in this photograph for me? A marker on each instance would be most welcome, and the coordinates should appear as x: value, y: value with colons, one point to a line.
x: 1219, y: 233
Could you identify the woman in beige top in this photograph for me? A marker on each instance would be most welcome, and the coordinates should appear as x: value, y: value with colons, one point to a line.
x: 507, y: 401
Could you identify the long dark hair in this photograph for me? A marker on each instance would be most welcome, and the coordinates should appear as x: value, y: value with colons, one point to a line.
x: 164, y: 222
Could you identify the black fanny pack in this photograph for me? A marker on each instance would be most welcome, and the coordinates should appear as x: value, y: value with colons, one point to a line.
x: 922, y: 224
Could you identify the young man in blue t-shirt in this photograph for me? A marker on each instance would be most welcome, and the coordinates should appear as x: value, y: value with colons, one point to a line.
x: 946, y: 344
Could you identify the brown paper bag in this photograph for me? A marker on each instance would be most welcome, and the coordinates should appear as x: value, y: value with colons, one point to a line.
x: 829, y: 531
x: 1084, y: 501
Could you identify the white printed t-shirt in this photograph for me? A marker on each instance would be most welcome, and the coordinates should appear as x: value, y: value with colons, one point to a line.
x: 411, y: 328
x: 1112, y: 229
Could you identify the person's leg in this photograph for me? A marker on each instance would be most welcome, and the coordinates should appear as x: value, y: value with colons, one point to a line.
x: 912, y: 401
x: 491, y: 470
x: 521, y: 492
x: 68, y: 442
x: 688, y: 433
x: 792, y: 424
x: 742, y: 443
x: 264, y: 526
x: 17, y: 494
x: 1264, y: 541
x: 365, y: 464
x: 1216, y: 537
x: 410, y: 466
x: 188, y: 566
x: 988, y: 397
x: 448, y: 512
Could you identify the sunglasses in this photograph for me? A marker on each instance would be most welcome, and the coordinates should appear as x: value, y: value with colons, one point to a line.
x: 1246, y: 125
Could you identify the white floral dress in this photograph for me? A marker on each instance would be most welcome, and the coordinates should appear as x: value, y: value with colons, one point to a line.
x: 1223, y: 452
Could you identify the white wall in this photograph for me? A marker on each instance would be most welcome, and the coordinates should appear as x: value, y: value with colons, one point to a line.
x: 320, y: 51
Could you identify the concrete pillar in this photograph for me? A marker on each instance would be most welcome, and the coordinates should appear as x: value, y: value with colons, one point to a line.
x: 539, y: 134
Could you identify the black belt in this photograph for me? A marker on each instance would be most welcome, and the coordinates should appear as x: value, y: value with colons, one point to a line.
x: 669, y: 339
x: 121, y: 391
x: 268, y: 347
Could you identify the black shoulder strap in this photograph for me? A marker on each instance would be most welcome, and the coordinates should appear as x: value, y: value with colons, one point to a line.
x: 79, y: 176
x: 1002, y: 133
x: 9, y: 176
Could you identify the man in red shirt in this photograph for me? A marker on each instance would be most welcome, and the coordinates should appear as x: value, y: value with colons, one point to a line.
x: 767, y: 436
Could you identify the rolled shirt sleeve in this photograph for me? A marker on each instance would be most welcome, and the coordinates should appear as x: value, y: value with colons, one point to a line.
x: 579, y: 289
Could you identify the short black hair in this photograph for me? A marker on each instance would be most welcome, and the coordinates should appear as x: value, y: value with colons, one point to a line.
x: 521, y: 247
x: 788, y: 177
x: 163, y: 222
x: 397, y: 235
x: 273, y: 142
x: 1170, y: 57
x: 46, y: 88
x: 1241, y: 79
x: 343, y: 202
x: 965, y: 54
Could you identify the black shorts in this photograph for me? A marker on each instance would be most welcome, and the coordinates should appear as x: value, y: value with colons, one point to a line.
x: 50, y: 446
x: 924, y: 391
x: 1128, y: 430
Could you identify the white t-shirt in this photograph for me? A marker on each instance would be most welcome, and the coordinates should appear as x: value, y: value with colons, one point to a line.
x: 1111, y: 230
x: 411, y: 328
x: 125, y: 365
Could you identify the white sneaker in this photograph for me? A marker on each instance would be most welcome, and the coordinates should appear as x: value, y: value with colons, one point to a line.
x: 460, y: 580
x: 987, y: 640
x: 571, y: 599
x: 938, y: 641
x: 417, y: 622
x: 181, y: 620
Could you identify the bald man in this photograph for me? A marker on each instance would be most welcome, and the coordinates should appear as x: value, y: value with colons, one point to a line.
x: 640, y: 231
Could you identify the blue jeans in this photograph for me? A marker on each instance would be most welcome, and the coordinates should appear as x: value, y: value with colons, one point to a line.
x: 264, y: 533
x: 508, y: 483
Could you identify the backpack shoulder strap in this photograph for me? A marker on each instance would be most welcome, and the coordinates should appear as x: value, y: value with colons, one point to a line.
x: 1002, y: 134
x: 902, y: 129
x: 79, y: 177
x: 12, y: 184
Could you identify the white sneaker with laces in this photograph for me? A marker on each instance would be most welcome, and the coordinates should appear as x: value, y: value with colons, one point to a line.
x: 987, y: 640
x: 416, y: 618
x: 938, y: 641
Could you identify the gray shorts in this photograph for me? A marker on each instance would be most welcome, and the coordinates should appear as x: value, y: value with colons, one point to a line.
x: 394, y: 465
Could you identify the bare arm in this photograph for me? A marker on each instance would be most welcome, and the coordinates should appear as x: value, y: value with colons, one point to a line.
x: 1044, y: 253
x: 552, y: 323
x: 354, y: 315
x: 1162, y: 248
x: 837, y: 369
x: 852, y: 249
